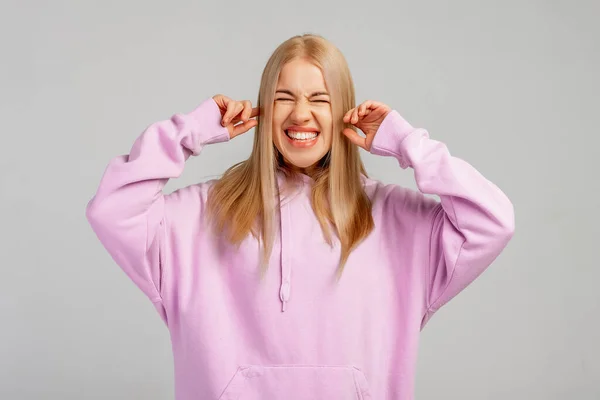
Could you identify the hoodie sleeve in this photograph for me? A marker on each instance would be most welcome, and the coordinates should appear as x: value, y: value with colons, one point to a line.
x: 470, y: 225
x: 127, y: 211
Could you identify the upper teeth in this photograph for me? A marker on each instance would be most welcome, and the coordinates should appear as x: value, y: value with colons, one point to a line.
x: 302, y: 135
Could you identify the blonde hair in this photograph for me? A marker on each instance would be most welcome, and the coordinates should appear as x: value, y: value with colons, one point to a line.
x: 243, y: 200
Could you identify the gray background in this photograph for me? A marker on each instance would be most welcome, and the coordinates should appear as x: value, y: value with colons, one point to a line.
x: 509, y: 86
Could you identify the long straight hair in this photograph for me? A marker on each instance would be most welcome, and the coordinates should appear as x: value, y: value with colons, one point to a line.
x: 243, y: 200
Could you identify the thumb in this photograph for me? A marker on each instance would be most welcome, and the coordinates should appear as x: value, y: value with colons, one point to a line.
x: 355, y: 138
x: 236, y: 130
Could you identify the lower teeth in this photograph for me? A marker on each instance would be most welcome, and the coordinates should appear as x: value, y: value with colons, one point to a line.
x: 302, y: 140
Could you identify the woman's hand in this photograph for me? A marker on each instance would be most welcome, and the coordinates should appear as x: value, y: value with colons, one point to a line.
x: 367, y: 117
x: 233, y: 111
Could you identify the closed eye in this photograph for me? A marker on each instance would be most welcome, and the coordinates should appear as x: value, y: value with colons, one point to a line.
x: 316, y: 101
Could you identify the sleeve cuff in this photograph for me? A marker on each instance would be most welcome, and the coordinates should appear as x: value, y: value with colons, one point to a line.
x: 205, y: 125
x: 389, y: 137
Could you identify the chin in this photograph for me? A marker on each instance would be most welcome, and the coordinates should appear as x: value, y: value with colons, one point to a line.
x: 304, y: 158
x: 304, y: 162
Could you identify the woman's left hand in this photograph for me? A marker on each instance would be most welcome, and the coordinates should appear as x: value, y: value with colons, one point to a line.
x: 367, y: 117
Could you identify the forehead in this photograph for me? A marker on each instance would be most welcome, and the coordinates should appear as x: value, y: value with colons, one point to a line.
x: 301, y: 76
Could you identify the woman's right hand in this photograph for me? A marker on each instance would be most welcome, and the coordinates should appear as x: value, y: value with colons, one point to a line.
x: 233, y: 111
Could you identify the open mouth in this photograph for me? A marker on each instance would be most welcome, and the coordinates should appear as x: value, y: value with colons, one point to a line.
x: 302, y: 136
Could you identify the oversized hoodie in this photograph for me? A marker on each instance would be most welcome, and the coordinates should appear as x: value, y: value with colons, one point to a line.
x: 298, y: 334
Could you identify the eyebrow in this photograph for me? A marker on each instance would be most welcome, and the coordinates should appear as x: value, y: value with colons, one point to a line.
x: 313, y: 94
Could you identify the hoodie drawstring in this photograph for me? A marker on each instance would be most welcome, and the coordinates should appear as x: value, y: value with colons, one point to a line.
x: 286, y: 266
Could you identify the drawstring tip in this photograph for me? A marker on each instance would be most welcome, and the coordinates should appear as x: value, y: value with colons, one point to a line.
x: 284, y: 295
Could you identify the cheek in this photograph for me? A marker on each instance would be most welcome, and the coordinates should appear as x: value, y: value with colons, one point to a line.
x: 276, y: 134
x: 276, y: 139
x: 278, y: 122
x: 329, y: 138
x: 325, y: 119
x: 326, y: 124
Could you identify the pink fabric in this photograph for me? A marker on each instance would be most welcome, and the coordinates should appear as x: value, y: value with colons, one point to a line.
x: 356, y: 339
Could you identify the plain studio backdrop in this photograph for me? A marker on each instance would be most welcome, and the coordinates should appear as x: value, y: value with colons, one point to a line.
x: 512, y: 87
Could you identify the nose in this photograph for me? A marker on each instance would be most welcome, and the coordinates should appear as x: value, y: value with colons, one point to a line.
x: 300, y: 113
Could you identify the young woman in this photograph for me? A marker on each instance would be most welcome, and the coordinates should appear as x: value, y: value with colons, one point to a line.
x: 295, y: 276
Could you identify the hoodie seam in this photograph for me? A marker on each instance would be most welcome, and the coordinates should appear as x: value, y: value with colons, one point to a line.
x: 430, y: 305
x: 163, y: 244
x: 158, y: 241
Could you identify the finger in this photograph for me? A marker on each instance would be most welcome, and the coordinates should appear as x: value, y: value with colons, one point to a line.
x: 376, y: 104
x: 221, y: 100
x: 380, y: 109
x: 354, y: 118
x: 246, y: 111
x: 355, y: 138
x: 233, y: 109
x: 243, y: 127
x: 371, y: 105
x: 228, y: 111
x: 347, y: 115
x: 362, y: 108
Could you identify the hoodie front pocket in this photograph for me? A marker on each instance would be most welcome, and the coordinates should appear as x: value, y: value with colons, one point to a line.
x: 297, y: 382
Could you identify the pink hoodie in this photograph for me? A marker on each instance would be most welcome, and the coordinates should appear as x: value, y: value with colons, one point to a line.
x: 297, y: 335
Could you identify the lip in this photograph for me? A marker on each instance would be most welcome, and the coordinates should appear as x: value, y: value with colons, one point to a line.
x: 301, y: 129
